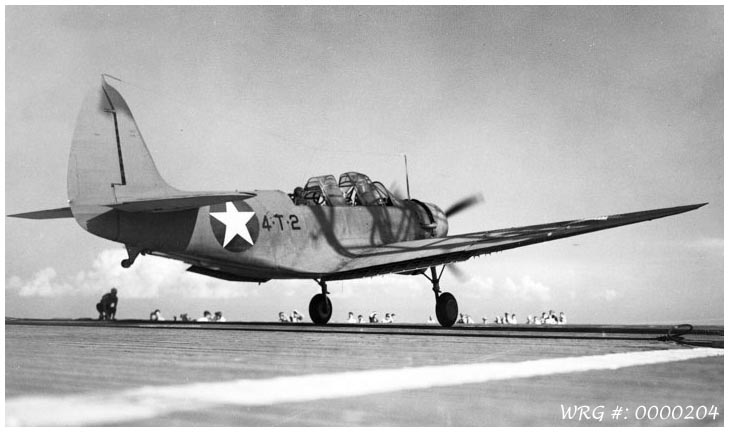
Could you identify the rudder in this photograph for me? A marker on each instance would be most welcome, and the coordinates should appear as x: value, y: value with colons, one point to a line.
x: 109, y: 160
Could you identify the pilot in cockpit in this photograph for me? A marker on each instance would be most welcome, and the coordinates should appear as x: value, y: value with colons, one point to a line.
x: 299, y: 196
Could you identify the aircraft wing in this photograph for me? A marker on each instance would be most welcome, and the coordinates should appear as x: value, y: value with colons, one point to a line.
x: 416, y: 255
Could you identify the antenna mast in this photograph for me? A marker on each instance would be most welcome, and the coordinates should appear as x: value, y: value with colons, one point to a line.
x: 407, y: 180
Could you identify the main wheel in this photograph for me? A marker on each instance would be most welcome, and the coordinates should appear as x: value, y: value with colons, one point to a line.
x: 320, y: 309
x: 446, y: 309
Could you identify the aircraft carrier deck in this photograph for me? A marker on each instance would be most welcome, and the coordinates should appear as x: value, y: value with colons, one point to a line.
x: 140, y: 373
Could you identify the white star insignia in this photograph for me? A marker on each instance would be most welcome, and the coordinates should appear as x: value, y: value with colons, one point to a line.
x: 235, y: 223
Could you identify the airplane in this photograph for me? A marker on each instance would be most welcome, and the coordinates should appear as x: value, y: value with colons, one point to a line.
x: 327, y: 230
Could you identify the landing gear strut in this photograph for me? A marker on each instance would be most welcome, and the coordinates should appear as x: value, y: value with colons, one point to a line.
x: 446, y: 307
x: 320, y: 307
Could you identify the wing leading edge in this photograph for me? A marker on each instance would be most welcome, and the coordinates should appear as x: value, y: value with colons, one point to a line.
x: 420, y: 254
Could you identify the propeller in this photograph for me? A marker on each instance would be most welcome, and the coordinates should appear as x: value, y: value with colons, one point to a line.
x: 396, y: 191
x: 463, y: 204
x: 458, y: 272
x: 456, y: 208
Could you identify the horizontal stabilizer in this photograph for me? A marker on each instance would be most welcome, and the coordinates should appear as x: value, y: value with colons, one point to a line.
x: 179, y: 202
x: 63, y: 212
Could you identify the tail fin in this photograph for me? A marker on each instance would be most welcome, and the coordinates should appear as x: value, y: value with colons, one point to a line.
x: 109, y: 160
x: 111, y: 173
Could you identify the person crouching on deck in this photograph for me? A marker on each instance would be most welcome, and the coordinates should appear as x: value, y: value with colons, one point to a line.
x: 107, y: 306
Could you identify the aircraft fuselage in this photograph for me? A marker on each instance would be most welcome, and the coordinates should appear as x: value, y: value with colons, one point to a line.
x: 275, y: 237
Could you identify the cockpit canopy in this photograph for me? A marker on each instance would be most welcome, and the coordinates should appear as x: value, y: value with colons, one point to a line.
x: 353, y: 189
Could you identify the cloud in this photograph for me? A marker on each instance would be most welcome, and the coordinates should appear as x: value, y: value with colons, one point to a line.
x: 475, y: 287
x: 42, y: 284
x: 15, y: 283
x: 708, y: 243
x: 480, y: 284
x: 609, y: 294
x: 394, y: 285
x: 154, y: 277
x: 149, y: 277
x: 399, y: 286
x: 528, y: 289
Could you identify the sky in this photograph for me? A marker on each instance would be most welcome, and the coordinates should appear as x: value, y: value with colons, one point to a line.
x: 552, y: 113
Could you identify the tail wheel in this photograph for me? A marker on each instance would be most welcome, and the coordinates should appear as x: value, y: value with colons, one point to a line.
x: 446, y: 309
x: 320, y: 309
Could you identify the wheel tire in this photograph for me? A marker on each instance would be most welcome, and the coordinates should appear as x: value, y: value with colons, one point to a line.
x: 446, y: 309
x: 320, y: 309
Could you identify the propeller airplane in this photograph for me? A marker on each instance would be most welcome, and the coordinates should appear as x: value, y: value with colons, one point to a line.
x: 327, y: 230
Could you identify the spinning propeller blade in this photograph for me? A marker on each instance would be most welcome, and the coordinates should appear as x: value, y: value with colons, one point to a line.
x: 464, y: 204
x: 396, y: 191
x: 458, y: 272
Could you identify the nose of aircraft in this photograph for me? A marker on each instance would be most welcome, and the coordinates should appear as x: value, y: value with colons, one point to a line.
x: 441, y: 220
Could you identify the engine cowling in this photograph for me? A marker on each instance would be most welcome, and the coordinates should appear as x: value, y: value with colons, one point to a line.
x: 433, y: 220
x: 441, y: 221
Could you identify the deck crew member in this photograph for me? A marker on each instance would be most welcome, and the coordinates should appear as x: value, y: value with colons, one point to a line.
x: 207, y: 316
x: 107, y: 306
x: 296, y: 316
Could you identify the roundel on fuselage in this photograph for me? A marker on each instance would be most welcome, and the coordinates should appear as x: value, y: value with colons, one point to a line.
x: 234, y: 224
